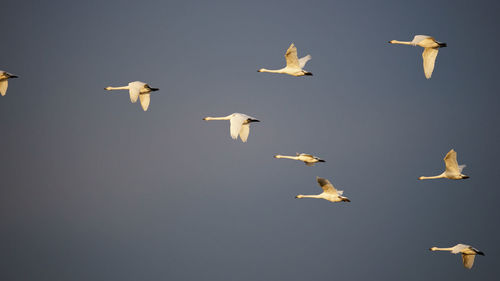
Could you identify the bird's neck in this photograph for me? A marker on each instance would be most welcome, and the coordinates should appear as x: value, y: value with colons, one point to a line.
x: 401, y: 42
x: 441, y: 249
x: 218, y: 118
x: 287, y: 157
x: 117, y: 88
x: 433, y: 177
x: 308, y: 196
x: 272, y: 70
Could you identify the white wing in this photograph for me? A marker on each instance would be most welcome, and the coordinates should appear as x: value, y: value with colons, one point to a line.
x: 461, y: 167
x: 145, y: 99
x: 292, y: 61
x: 459, y: 247
x: 429, y: 55
x: 3, y: 87
x: 134, y: 94
x: 236, y: 123
x: 468, y: 260
x: 326, y: 185
x: 450, y: 160
x: 244, y: 131
x: 419, y: 38
x: 304, y: 60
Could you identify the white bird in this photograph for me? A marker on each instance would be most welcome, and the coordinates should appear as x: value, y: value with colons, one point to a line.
x: 137, y: 89
x: 329, y: 192
x: 308, y: 159
x: 4, y: 81
x: 431, y: 49
x: 468, y: 253
x: 453, y: 170
x: 293, y: 66
x: 240, y: 124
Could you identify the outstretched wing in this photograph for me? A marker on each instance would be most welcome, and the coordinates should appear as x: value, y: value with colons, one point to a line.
x: 244, y: 131
x: 326, y: 185
x: 429, y: 55
x: 3, y: 86
x: 461, y: 167
x: 134, y: 94
x: 292, y: 61
x: 145, y: 99
x: 236, y: 123
x: 304, y: 60
x: 419, y: 38
x: 450, y: 160
x: 468, y: 260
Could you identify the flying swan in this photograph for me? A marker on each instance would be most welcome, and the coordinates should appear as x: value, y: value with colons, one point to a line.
x: 240, y: 124
x: 137, y: 89
x: 329, y: 192
x: 453, y: 170
x: 308, y: 159
x: 468, y: 253
x: 294, y: 65
x: 4, y: 81
x: 431, y: 48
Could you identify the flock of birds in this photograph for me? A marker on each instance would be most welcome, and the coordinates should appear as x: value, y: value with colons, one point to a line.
x: 240, y: 126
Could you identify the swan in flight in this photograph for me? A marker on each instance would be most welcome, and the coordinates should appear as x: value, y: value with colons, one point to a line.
x: 431, y: 48
x: 453, y: 170
x: 329, y: 192
x: 4, y: 81
x: 308, y: 159
x: 294, y: 65
x: 239, y: 124
x: 468, y: 253
x: 136, y: 90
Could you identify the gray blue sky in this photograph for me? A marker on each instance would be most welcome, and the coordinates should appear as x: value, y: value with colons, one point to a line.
x: 93, y: 188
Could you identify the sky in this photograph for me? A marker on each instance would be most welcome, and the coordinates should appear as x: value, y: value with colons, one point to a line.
x: 94, y: 188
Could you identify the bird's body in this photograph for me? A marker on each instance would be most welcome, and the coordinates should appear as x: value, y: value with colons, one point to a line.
x: 329, y: 192
x: 4, y: 81
x: 239, y: 124
x: 308, y: 159
x: 453, y: 170
x: 468, y: 253
x: 294, y: 65
x: 431, y: 49
x: 137, y: 89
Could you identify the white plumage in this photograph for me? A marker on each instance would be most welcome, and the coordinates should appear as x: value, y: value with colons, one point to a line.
x: 468, y: 253
x: 329, y: 192
x: 431, y: 49
x: 239, y: 124
x: 453, y: 170
x: 294, y: 65
x: 4, y: 81
x: 137, y: 89
x: 308, y: 159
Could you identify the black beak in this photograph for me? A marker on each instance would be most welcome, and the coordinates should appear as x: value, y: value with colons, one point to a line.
x: 254, y: 120
x: 480, y: 253
x: 465, y: 177
x: 154, y: 89
x: 308, y: 74
x: 321, y: 160
x: 13, y: 76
